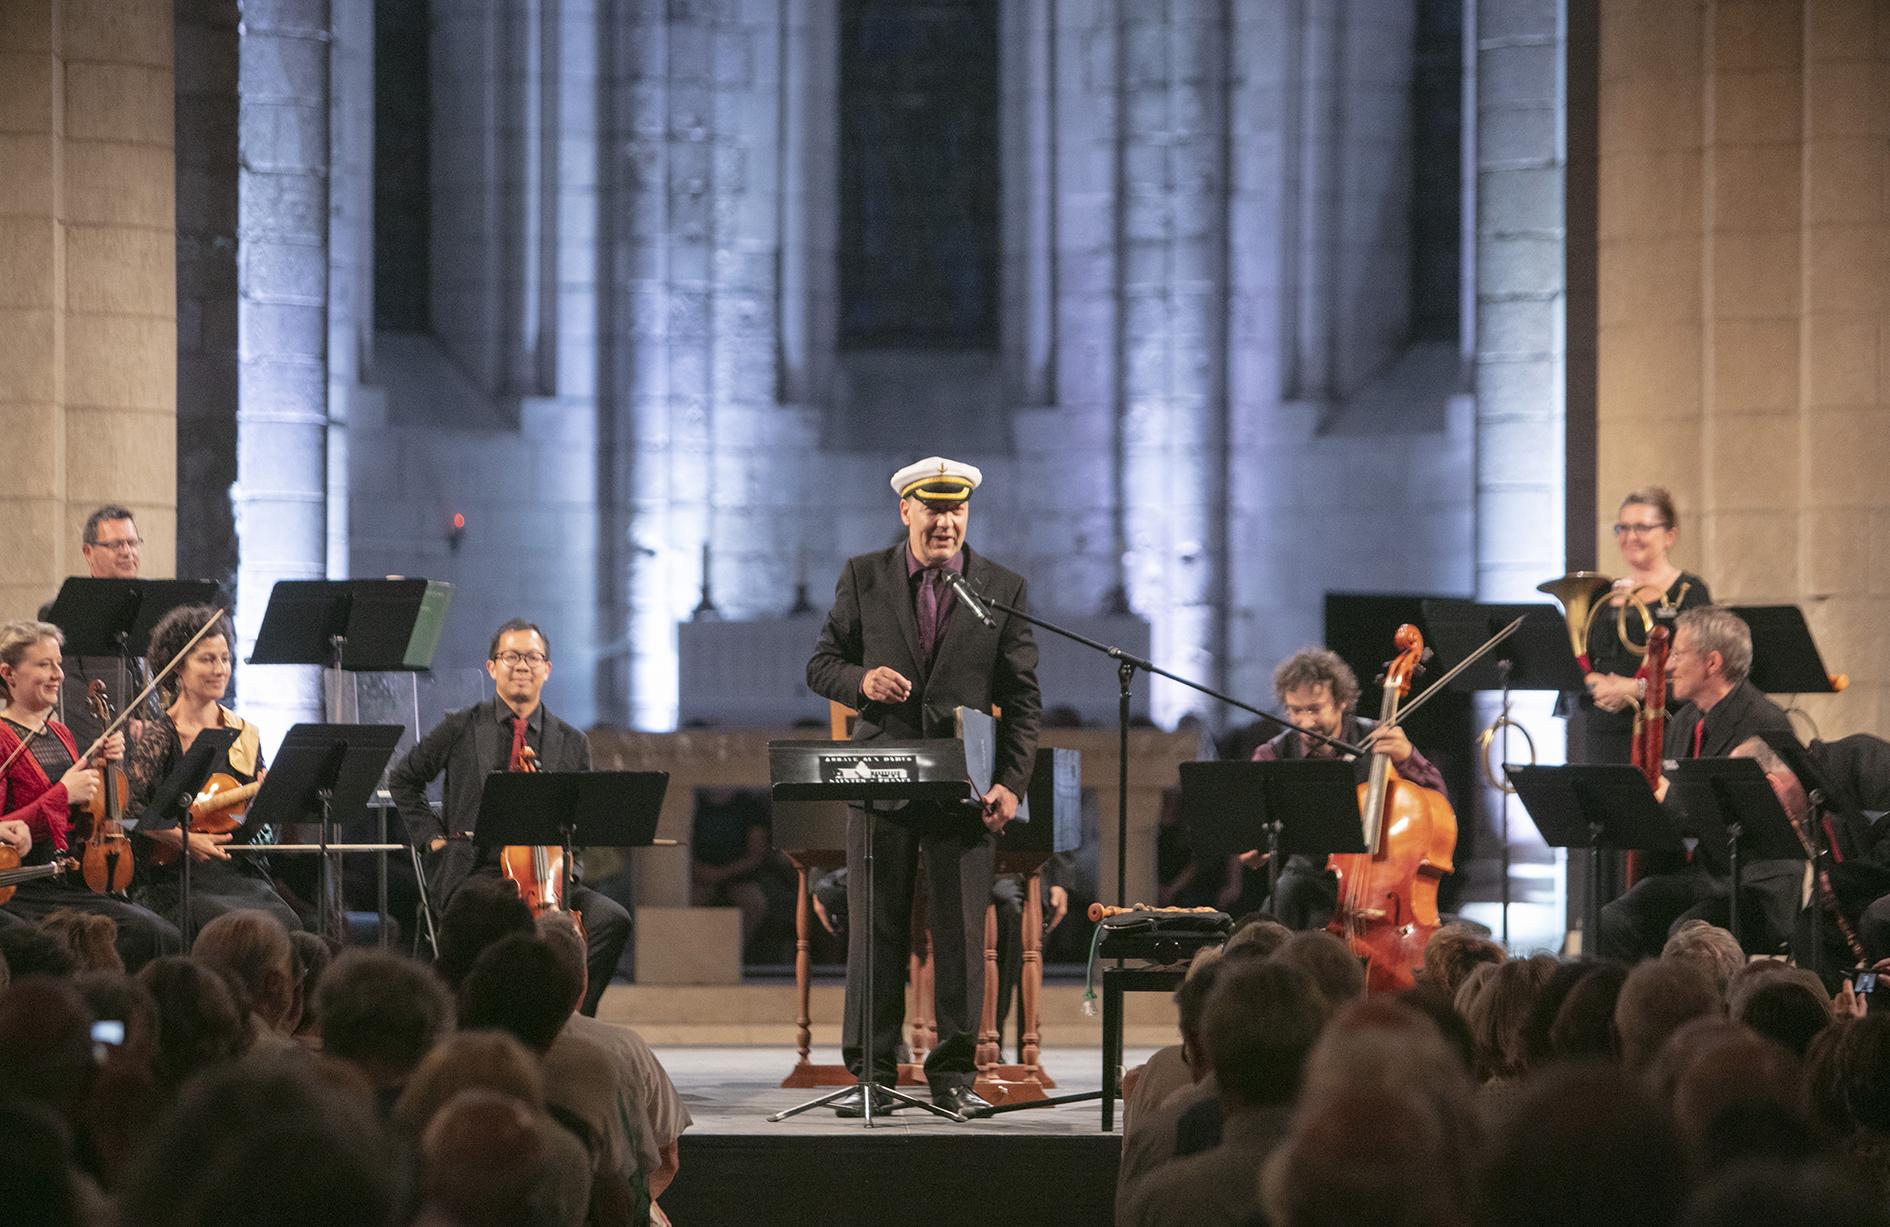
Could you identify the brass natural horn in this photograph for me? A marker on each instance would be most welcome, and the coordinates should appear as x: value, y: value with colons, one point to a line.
x: 1581, y: 595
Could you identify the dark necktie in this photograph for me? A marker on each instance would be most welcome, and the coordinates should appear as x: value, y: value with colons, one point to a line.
x: 928, y: 611
x: 518, y: 744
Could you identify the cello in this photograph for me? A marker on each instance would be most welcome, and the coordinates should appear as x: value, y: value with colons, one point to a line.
x: 106, y: 863
x: 1388, y: 893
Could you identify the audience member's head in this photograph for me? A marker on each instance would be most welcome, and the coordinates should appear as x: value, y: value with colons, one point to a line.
x: 265, y: 1143
x: 559, y: 930
x: 467, y: 1060
x: 1191, y: 1003
x: 31, y: 951
x: 1786, y: 1010
x: 1472, y: 987
x: 1712, y: 947
x: 113, y: 996
x: 1581, y: 1144
x: 91, y: 939
x: 1329, y: 961
x: 36, y: 1180
x: 1450, y: 954
x: 489, y: 1162
x: 314, y: 953
x: 1260, y: 935
x: 1815, y: 1190
x: 199, y: 1022
x: 1377, y: 1061
x: 483, y: 910
x: 1434, y: 1005
x: 1538, y: 1043
x: 1658, y: 996
x: 1261, y: 1021
x: 127, y: 1101
x: 250, y: 947
x: 522, y: 986
x: 1584, y: 1026
x: 381, y: 1013
x: 1739, y: 1096
x: 1500, y: 1012
x: 46, y: 1044
x: 1865, y: 1066
x: 1827, y: 1067
x: 1755, y: 972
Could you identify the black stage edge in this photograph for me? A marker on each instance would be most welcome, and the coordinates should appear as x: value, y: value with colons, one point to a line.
x: 979, y: 1173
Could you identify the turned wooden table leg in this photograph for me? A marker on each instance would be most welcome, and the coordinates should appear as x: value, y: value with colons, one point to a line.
x: 803, y: 967
x: 988, y: 1054
x: 1032, y: 986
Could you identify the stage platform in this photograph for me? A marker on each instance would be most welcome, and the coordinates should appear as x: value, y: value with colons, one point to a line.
x: 1048, y: 1165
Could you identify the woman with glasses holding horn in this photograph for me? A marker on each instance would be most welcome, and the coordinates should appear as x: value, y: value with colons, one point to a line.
x: 1645, y: 529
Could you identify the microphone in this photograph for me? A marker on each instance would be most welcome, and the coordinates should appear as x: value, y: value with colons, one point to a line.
x: 966, y: 597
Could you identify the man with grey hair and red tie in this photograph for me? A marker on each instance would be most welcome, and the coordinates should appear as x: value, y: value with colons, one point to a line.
x: 896, y: 648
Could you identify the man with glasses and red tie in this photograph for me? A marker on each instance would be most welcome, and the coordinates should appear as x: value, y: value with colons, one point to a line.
x: 491, y: 736
x: 1707, y: 668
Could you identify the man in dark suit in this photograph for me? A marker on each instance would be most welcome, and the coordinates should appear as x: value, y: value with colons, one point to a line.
x: 471, y: 743
x: 896, y: 648
x: 1707, y: 667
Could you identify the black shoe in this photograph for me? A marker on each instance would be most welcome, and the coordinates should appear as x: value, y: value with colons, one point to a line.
x: 959, y: 1099
x: 853, y: 1103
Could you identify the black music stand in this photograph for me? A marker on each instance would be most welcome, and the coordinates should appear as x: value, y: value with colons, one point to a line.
x: 169, y: 807
x: 1307, y: 806
x: 570, y: 810
x: 352, y: 625
x: 322, y: 769
x: 1730, y: 805
x: 1592, y: 806
x: 114, y: 617
x: 1536, y: 657
x: 862, y: 773
x: 1785, y: 658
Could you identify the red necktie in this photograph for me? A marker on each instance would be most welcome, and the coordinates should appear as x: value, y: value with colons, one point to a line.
x: 518, y: 744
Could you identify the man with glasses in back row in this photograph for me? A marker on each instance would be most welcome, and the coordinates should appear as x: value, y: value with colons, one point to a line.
x: 112, y: 549
x: 471, y: 743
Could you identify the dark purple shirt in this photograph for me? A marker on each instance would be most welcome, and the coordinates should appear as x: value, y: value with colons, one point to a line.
x: 1417, y: 769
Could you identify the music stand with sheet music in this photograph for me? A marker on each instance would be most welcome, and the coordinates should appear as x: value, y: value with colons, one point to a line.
x: 862, y: 773
x: 115, y: 617
x: 169, y: 807
x: 570, y: 810
x: 321, y: 770
x: 352, y: 626
x: 1306, y: 806
x: 1592, y: 806
x: 1535, y: 657
x: 1785, y: 657
x: 1730, y: 806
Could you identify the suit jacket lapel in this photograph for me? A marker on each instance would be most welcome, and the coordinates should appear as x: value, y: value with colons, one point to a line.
x: 552, y: 749
x: 898, y: 591
x: 489, y: 755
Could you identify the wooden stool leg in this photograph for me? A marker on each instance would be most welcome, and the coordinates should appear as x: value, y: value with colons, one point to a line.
x: 803, y: 967
x: 1032, y: 988
x: 988, y: 1055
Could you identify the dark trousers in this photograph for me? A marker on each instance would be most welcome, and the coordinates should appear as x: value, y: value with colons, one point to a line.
x: 143, y: 935
x: 1636, y: 925
x: 1306, y: 895
x: 958, y: 856
x: 216, y: 887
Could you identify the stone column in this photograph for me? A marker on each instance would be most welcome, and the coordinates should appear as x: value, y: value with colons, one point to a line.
x: 88, y: 302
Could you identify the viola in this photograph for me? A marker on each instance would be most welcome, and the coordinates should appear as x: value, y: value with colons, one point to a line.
x: 537, y: 870
x: 106, y: 861
x: 218, y: 810
x: 1388, y: 894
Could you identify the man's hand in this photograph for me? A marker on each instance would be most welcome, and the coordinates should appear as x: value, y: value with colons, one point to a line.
x: 1849, y: 1003
x: 15, y: 835
x: 886, y: 685
x: 204, y: 845
x: 821, y: 914
x: 1390, y: 742
x: 1000, y: 806
x: 1612, y: 692
x: 436, y: 843
x: 1660, y: 789
x: 1059, y: 905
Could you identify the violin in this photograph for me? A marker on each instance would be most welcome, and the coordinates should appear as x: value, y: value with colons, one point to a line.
x: 537, y: 870
x: 106, y: 862
x: 218, y: 810
x: 12, y: 873
x: 1388, y: 894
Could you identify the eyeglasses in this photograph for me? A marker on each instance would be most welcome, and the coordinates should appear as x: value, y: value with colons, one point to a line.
x: 513, y: 660
x: 1638, y: 530
x: 129, y: 545
x: 1309, y: 709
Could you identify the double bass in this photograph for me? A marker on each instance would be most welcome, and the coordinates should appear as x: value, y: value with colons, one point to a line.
x: 1388, y: 894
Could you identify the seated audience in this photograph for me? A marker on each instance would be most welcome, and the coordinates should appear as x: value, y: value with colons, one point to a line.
x: 91, y: 938
x: 199, y: 1023
x: 1151, y: 1120
x: 313, y: 954
x: 252, y: 950
x: 1712, y: 947
x: 381, y: 1013
x: 492, y: 1161
x: 1584, y: 1025
x: 1790, y: 1009
x: 1451, y: 954
x: 1658, y: 996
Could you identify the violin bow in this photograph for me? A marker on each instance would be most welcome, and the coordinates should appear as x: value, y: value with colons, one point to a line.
x: 124, y: 713
x: 21, y: 748
x: 1444, y: 681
